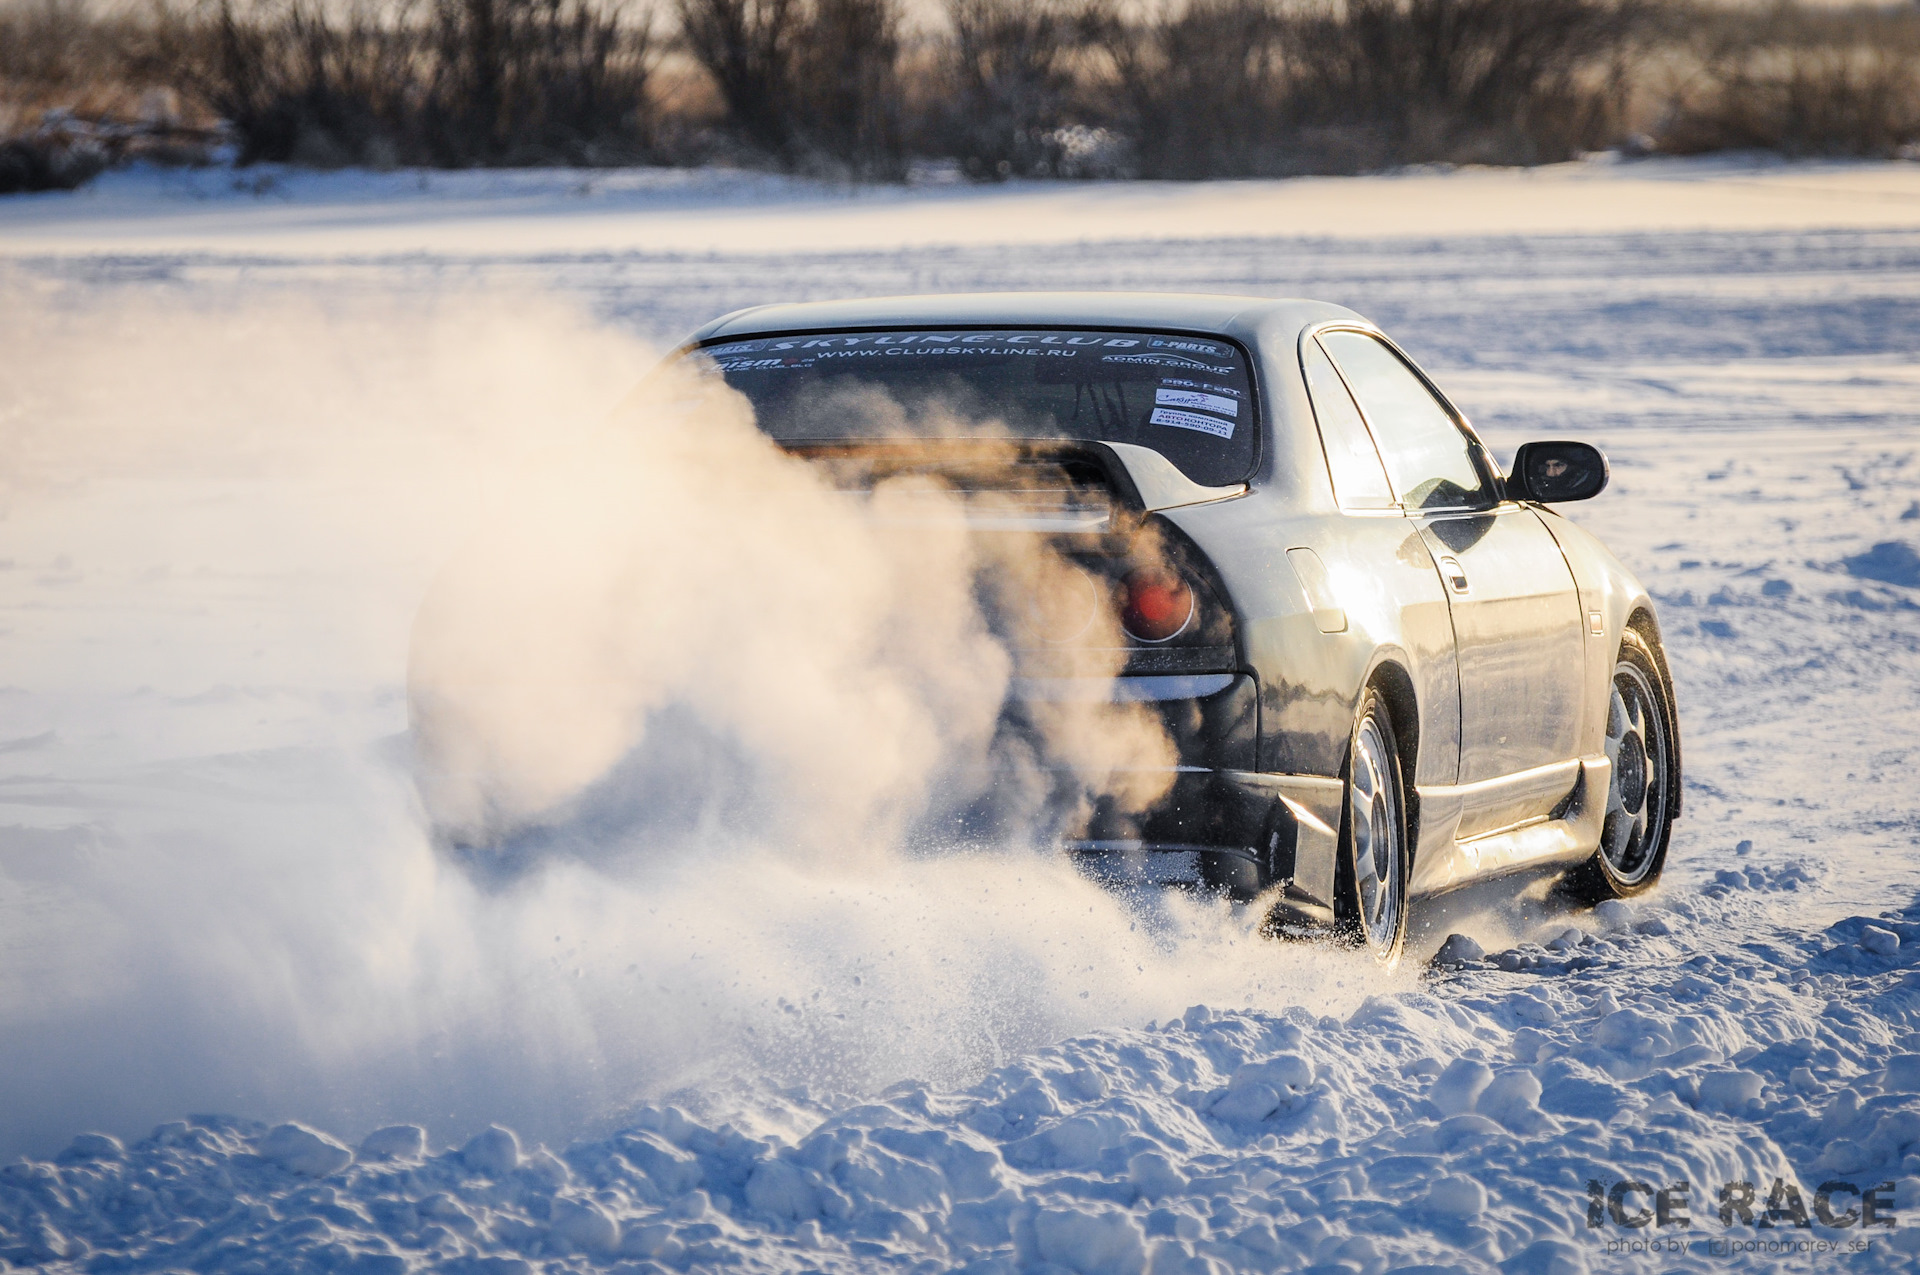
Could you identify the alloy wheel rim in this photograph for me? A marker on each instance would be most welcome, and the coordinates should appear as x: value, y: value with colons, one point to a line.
x: 1374, y: 816
x: 1637, y: 792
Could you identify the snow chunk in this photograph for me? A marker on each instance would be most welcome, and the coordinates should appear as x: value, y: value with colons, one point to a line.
x: 1731, y: 1091
x: 93, y: 1146
x: 395, y: 1142
x: 1154, y: 1176
x: 778, y: 1189
x: 298, y: 1149
x: 544, y: 1167
x: 1530, y: 1046
x: 493, y: 1152
x: 1457, y: 1131
x: 1106, y: 1243
x: 1890, y: 562
x: 1843, y: 1155
x: 1459, y: 949
x: 1903, y: 1074
x: 672, y: 1171
x: 581, y: 1225
x: 1513, y: 1099
x: 1630, y: 1032
x: 1878, y: 941
x: 1277, y: 1085
x: 1759, y: 876
x: 1894, y: 1134
x: 1548, y: 1257
x: 1459, y: 1085
x: 1613, y: 915
x: 1074, y: 1143
x: 655, y: 1241
x: 1455, y: 1196
x: 1535, y: 1008
x: 1842, y: 1114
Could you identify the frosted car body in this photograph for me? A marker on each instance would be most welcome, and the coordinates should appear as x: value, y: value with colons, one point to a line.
x: 1363, y: 547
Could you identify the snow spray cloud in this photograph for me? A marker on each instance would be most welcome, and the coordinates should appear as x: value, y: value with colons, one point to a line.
x: 679, y: 627
x: 218, y: 889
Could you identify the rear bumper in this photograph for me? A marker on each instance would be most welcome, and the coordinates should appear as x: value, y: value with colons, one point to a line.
x: 1222, y: 823
x: 1213, y: 719
x: 1236, y: 831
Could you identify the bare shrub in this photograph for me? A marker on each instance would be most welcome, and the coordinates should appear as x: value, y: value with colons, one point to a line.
x: 298, y: 86
x: 848, y: 98
x: 81, y: 91
x: 1009, y: 87
x: 810, y: 84
x: 47, y: 160
x: 1203, y: 91
x: 747, y: 47
x: 56, y: 54
x: 1264, y: 87
x: 470, y: 82
x: 1492, y: 81
x: 62, y: 57
x: 534, y: 81
x: 1801, y: 82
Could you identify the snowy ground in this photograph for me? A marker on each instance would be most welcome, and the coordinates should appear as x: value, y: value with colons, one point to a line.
x: 272, y: 210
x: 233, y: 469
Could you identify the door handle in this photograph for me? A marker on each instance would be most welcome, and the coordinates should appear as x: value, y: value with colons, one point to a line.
x: 1456, y: 574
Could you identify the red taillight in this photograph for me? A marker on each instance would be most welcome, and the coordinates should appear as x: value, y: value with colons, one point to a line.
x: 1155, y: 605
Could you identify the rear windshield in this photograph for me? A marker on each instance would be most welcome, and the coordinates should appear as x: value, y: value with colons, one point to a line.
x: 1189, y: 398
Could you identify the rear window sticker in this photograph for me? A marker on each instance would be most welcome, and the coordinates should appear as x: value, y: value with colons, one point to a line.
x: 1196, y: 398
x: 1182, y: 383
x: 1167, y: 360
x: 1192, y: 420
x: 1192, y: 347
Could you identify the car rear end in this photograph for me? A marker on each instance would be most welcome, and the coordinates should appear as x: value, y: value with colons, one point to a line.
x: 1065, y: 442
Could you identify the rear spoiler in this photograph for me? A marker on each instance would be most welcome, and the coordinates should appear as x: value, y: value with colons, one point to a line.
x: 1157, y: 482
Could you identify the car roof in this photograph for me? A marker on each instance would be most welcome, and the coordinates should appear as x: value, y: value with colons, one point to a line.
x: 1232, y: 316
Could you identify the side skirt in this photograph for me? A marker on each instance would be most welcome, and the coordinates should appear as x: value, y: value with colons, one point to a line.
x: 1569, y: 834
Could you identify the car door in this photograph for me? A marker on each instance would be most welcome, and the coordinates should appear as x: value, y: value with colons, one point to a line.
x: 1373, y: 547
x: 1516, y: 613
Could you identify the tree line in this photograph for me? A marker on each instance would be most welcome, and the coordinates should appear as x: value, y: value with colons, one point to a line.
x: 996, y: 89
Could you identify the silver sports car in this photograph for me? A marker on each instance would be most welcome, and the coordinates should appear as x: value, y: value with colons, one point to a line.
x: 1388, y: 669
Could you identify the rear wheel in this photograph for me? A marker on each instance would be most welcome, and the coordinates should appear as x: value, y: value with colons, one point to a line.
x: 1644, y: 782
x: 1373, y: 835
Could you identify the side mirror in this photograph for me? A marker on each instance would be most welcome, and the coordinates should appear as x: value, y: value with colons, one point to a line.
x: 1557, y: 471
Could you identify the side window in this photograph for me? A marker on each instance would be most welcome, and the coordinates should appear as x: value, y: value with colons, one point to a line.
x: 1358, y: 480
x: 1427, y: 456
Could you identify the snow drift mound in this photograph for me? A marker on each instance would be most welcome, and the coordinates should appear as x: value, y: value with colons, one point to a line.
x: 1467, y: 1123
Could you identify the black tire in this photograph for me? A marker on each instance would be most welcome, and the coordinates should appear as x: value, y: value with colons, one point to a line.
x: 1375, y: 858
x: 1643, y: 792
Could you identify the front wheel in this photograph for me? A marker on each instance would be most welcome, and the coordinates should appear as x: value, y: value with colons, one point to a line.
x: 1373, y: 835
x: 1644, y: 784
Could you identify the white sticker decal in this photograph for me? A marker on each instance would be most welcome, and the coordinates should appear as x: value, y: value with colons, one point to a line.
x: 1194, y: 398
x: 1182, y: 383
x: 1192, y: 420
x: 1167, y: 360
